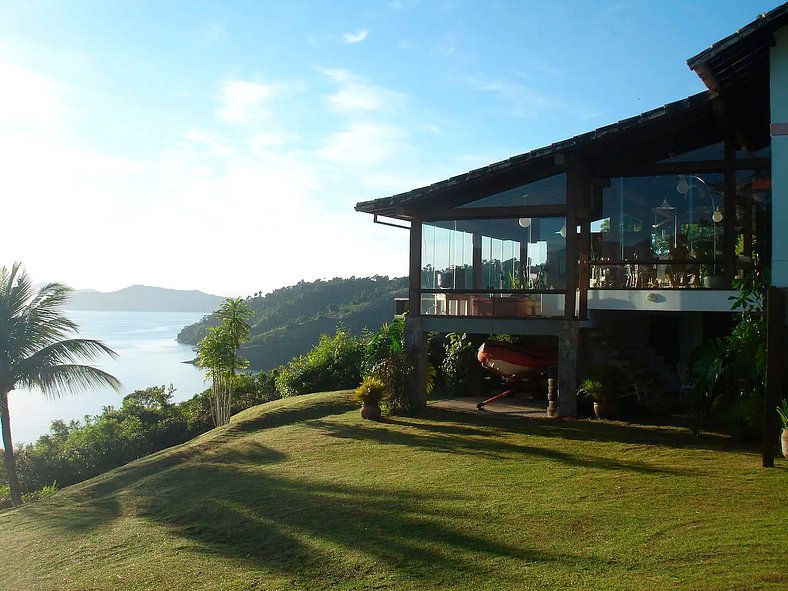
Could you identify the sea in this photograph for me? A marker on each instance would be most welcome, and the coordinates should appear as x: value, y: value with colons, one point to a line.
x: 148, y: 355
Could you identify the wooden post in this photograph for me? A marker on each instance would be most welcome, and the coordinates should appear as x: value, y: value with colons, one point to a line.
x: 729, y: 211
x: 775, y: 361
x: 414, y: 285
x: 575, y: 185
x: 477, y: 260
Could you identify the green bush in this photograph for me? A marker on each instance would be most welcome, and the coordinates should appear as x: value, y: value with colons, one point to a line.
x: 461, y: 370
x: 333, y: 364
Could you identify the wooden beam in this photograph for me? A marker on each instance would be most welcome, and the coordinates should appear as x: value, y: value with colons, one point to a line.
x: 414, y: 283
x: 729, y: 213
x: 477, y: 261
x: 576, y: 190
x: 615, y: 169
x: 524, y: 211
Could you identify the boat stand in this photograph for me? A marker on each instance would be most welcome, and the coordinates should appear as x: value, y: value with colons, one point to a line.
x: 480, y: 406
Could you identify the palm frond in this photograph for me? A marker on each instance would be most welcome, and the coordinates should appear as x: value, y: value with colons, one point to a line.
x: 65, y: 352
x: 61, y: 379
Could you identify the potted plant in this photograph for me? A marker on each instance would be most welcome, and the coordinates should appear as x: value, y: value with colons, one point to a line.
x: 604, y: 405
x: 782, y: 411
x: 370, y: 393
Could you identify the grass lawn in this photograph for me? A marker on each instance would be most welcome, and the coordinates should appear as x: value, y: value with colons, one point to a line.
x: 303, y: 494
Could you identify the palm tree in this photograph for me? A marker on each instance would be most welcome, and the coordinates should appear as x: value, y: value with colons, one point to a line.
x: 218, y: 354
x: 35, y: 351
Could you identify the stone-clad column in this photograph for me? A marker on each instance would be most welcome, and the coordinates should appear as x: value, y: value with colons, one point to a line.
x: 416, y: 343
x: 568, y: 341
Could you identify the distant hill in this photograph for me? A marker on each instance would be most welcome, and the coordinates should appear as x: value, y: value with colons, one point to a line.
x: 141, y: 298
x: 289, y: 321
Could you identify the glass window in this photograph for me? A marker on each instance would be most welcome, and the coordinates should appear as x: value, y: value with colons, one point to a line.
x: 549, y: 191
x: 649, y: 219
x: 494, y: 254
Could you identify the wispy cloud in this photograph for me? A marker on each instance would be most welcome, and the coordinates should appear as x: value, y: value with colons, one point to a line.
x: 242, y: 102
x: 355, y: 37
x: 521, y: 100
x: 364, y: 145
x: 357, y: 96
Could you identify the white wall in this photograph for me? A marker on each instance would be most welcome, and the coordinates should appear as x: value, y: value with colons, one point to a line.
x: 778, y: 60
x: 661, y: 300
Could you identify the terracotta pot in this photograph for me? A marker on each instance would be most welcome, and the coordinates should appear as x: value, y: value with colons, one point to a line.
x: 370, y: 411
x: 604, y: 410
x: 784, y: 442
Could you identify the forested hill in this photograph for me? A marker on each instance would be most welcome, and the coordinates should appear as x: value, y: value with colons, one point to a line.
x: 287, y: 322
x: 144, y: 298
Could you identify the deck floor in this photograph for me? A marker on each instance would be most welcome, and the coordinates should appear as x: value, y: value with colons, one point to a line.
x: 511, y: 407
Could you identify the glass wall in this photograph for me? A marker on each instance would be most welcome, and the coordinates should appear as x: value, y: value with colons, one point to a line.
x: 753, y: 220
x: 494, y: 266
x: 659, y: 231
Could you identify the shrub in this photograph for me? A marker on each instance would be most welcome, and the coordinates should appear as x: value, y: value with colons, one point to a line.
x: 333, y: 364
x: 729, y: 374
x: 379, y: 345
x: 461, y: 370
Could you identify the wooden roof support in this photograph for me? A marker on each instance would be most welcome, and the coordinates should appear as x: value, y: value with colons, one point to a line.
x: 414, y: 282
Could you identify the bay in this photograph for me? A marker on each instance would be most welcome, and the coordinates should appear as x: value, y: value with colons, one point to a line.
x: 148, y: 355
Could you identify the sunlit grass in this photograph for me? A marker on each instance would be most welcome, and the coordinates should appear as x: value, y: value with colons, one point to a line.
x: 303, y: 494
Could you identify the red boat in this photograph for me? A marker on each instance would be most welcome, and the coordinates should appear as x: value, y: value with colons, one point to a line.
x: 514, y: 362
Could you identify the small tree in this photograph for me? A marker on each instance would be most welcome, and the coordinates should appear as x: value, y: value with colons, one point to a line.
x: 218, y: 354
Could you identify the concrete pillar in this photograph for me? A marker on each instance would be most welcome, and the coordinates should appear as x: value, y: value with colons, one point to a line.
x: 568, y: 341
x: 416, y: 343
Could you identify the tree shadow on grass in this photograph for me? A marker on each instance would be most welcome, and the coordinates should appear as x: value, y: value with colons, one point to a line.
x: 321, y: 531
x: 585, y: 430
x: 423, y: 436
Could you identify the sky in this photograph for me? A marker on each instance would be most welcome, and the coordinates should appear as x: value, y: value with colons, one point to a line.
x: 221, y: 146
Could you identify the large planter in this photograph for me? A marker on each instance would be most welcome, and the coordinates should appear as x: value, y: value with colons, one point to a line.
x: 784, y: 442
x: 605, y: 410
x: 370, y: 412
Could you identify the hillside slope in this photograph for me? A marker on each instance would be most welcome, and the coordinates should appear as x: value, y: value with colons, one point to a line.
x: 142, y: 298
x: 288, y: 321
x: 302, y: 494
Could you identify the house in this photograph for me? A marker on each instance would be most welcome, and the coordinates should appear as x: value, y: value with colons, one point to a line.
x: 638, y: 227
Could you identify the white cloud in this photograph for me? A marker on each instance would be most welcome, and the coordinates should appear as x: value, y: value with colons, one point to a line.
x: 242, y: 102
x: 105, y: 221
x: 29, y: 102
x: 338, y: 74
x: 357, y: 96
x: 364, y: 145
x: 355, y: 37
x: 521, y: 100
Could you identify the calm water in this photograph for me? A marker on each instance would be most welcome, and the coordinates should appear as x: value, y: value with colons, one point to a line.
x: 148, y: 355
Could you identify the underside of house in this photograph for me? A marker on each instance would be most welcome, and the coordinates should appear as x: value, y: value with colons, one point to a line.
x: 635, y: 231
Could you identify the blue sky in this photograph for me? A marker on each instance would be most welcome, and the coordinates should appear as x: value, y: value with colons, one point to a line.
x: 222, y: 145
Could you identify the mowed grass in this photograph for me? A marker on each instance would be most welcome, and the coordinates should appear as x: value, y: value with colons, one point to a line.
x: 303, y: 494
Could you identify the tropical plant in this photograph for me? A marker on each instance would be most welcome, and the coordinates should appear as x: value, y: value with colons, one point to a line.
x: 371, y: 391
x: 217, y: 353
x: 595, y: 389
x: 397, y: 372
x: 461, y: 370
x: 388, y: 340
x: 36, y: 351
x: 782, y: 412
x: 729, y: 373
